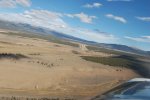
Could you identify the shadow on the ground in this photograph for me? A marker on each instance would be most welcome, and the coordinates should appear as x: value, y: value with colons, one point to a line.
x: 12, y: 56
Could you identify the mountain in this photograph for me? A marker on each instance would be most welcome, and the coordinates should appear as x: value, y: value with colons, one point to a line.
x: 39, y: 30
x: 124, y: 48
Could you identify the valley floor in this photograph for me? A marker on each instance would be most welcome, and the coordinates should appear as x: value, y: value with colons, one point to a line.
x: 54, y: 70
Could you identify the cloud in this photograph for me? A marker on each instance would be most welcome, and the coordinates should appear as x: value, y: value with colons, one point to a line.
x: 139, y: 39
x: 14, y: 3
x: 40, y: 18
x: 25, y: 3
x: 120, y: 0
x: 147, y: 19
x: 94, y: 5
x: 83, y: 17
x: 54, y: 21
x: 93, y: 35
x: 7, y: 4
x: 117, y: 18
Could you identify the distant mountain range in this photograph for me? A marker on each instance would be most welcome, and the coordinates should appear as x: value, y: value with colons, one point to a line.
x: 39, y: 30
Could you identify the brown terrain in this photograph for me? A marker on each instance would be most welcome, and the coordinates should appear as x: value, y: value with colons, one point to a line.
x: 32, y: 67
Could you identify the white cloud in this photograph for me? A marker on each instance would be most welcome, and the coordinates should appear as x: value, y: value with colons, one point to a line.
x: 25, y: 3
x: 7, y: 4
x: 139, y: 39
x: 53, y: 21
x: 147, y: 37
x: 14, y: 3
x: 94, y: 5
x: 117, y: 18
x: 120, y: 0
x: 42, y: 18
x: 83, y: 17
x: 69, y: 15
x: 96, y: 35
x: 144, y: 18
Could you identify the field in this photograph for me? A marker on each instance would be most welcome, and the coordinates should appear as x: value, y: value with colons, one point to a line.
x: 35, y: 67
x: 136, y: 62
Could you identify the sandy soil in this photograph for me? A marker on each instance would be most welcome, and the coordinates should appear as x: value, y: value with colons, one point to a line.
x: 54, y: 70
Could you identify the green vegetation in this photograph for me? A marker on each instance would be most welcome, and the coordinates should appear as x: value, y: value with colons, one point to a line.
x: 43, y: 36
x: 121, y: 61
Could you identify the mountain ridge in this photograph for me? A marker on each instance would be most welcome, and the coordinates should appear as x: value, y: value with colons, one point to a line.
x: 44, y: 31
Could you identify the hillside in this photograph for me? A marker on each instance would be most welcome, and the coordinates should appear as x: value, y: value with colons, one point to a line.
x: 57, y: 36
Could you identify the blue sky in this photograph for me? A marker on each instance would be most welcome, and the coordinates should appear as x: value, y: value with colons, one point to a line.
x: 107, y: 21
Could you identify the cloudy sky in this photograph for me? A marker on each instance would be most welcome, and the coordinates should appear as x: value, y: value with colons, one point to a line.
x: 106, y: 21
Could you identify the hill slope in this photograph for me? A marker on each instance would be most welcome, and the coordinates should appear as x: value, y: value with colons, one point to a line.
x: 43, y: 32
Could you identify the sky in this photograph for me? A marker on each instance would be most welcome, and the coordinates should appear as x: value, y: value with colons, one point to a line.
x: 125, y: 22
